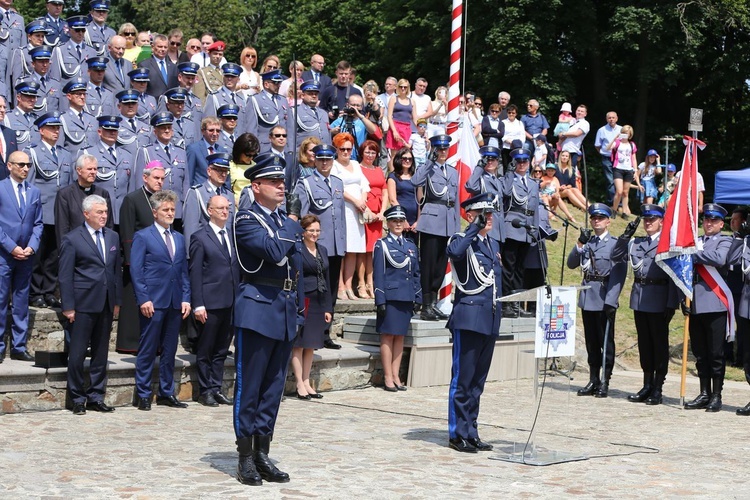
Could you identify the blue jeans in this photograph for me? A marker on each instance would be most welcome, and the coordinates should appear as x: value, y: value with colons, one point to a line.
x: 609, y: 175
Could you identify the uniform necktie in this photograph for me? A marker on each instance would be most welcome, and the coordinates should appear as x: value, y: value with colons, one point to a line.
x: 54, y: 154
x: 118, y: 63
x: 132, y: 124
x: 523, y: 180
x: 276, y: 217
x: 99, y: 92
x: 328, y: 183
x: 21, y: 199
x: 100, y: 243
x: 234, y: 100
x: 112, y: 152
x: 163, y: 71
x: 168, y: 240
x: 224, y: 243
x: 442, y: 169
x: 42, y: 83
x: 166, y: 151
x: 218, y: 191
x: 231, y: 136
x: 400, y: 242
x: 80, y: 115
x: 78, y: 49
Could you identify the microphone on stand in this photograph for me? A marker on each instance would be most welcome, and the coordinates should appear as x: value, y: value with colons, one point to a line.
x: 518, y: 223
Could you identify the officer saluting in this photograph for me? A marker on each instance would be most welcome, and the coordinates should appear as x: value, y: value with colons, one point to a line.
x: 599, y: 302
x: 267, y: 314
x: 653, y: 300
x: 438, y: 221
x: 475, y: 320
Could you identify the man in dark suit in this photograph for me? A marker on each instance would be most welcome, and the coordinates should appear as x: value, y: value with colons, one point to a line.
x: 20, y: 233
x: 135, y: 214
x: 116, y: 76
x: 163, y: 71
x: 69, y: 200
x: 8, y: 142
x: 90, y: 289
x: 162, y: 290
x: 214, y: 276
x: 315, y: 73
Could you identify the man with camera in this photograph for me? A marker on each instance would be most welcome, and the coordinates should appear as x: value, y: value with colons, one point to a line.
x: 333, y: 99
x: 352, y: 120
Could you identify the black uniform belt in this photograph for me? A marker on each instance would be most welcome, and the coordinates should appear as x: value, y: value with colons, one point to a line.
x: 286, y: 285
x: 596, y: 277
x: 520, y: 210
x: 449, y: 203
x: 650, y: 281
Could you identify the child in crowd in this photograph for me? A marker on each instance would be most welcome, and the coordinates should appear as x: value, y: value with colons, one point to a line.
x: 540, y: 151
x: 419, y: 144
x: 564, y: 121
x: 671, y: 183
x: 645, y: 177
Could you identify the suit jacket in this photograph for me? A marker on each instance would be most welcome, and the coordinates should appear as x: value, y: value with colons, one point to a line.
x: 478, y: 312
x: 603, y: 291
x: 135, y: 214
x: 157, y: 86
x: 16, y: 229
x: 85, y: 279
x: 214, y: 275
x: 488, y: 132
x: 324, y: 81
x: 310, y: 274
x: 196, y: 160
x: 112, y: 79
x: 69, y: 208
x: 10, y: 146
x: 156, y: 277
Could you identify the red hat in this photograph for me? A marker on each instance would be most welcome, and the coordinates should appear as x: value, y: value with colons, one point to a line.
x: 217, y: 46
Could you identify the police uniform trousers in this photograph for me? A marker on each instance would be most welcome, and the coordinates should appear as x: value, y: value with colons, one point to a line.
x: 128, y: 325
x: 334, y: 270
x: 594, y: 329
x: 472, y: 356
x: 88, y: 328
x: 261, y: 365
x: 707, y: 333
x: 433, y: 260
x: 743, y: 330
x: 653, y: 341
x: 44, y: 275
x: 513, y: 254
x: 214, y: 339
x: 15, y: 276
x: 159, y: 332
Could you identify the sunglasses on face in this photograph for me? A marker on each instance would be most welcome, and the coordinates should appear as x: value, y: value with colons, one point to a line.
x: 20, y: 164
x: 407, y: 158
x: 175, y: 44
x: 345, y: 150
x: 279, y: 135
x: 125, y: 33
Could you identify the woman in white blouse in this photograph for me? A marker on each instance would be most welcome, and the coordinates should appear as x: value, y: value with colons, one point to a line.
x: 514, y: 130
x: 249, y: 83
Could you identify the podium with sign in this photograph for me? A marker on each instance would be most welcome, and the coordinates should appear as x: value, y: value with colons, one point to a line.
x: 555, y: 327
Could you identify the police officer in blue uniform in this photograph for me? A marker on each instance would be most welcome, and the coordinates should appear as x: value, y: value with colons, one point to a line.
x: 172, y: 157
x: 474, y: 321
x: 310, y: 120
x: 51, y: 170
x: 19, y: 65
x: 536, y: 262
x: 438, y: 221
x: 268, y: 312
x: 397, y: 289
x: 229, y: 115
x: 653, y: 299
x: 486, y: 178
x: 739, y: 257
x: 139, y: 79
x: 186, y: 129
x: 598, y: 303
x: 187, y: 72
x: 69, y: 59
x: 99, y: 100
x: 21, y: 120
x: 195, y: 213
x: 266, y: 109
x: 521, y: 205
x: 227, y: 93
x: 97, y: 31
x: 12, y: 30
x: 322, y: 194
x: 134, y: 133
x: 58, y: 27
x: 115, y: 165
x: 709, y: 324
x: 78, y: 125
x: 48, y: 98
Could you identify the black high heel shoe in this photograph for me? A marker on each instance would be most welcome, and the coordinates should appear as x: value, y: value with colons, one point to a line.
x: 305, y: 397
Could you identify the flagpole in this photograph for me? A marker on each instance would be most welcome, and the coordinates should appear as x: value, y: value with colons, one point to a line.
x: 685, y: 332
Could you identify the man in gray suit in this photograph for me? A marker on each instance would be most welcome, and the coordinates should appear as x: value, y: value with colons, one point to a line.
x: 116, y: 76
x: 599, y: 302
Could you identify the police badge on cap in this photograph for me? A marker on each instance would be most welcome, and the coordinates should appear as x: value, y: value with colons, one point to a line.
x: 267, y: 166
x: 482, y: 201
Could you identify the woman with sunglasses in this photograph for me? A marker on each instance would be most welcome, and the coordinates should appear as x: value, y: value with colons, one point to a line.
x: 306, y: 158
x: 402, y: 115
x: 270, y: 63
x: 175, y: 43
x: 402, y: 192
x: 129, y: 33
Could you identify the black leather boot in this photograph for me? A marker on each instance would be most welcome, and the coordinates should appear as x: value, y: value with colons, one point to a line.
x: 645, y: 392
x: 440, y: 314
x: 246, y: 472
x: 655, y: 397
x: 714, y: 404
x: 603, y: 390
x: 703, y: 398
x: 428, y: 314
x: 266, y: 468
x: 508, y: 311
x: 744, y: 411
x: 523, y: 313
x: 594, y: 383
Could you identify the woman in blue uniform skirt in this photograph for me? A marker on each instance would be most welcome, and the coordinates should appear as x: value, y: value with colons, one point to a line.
x: 397, y: 290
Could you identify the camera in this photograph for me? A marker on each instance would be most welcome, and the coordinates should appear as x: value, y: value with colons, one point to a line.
x: 349, y: 111
x: 335, y: 110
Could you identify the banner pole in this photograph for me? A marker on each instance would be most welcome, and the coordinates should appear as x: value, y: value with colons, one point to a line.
x: 685, y: 339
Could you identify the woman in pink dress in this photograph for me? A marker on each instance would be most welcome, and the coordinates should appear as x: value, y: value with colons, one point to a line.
x: 377, y: 202
x: 401, y: 115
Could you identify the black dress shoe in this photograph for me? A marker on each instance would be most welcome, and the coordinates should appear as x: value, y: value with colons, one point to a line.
x: 52, y: 301
x: 143, y: 404
x: 462, y: 445
x: 641, y: 396
x: 744, y: 411
x: 440, y: 314
x: 390, y: 389
x: 305, y: 397
x: 401, y: 387
x: 246, y: 471
x: 222, y: 399
x: 207, y: 399
x: 22, y: 356
x: 523, y: 313
x: 38, y: 302
x: 79, y: 409
x: 714, y: 404
x: 170, y: 401
x: 602, y: 391
x: 428, y: 314
x: 99, y: 406
x: 330, y: 344
x: 479, y: 444
x: 589, y: 389
x: 316, y: 396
